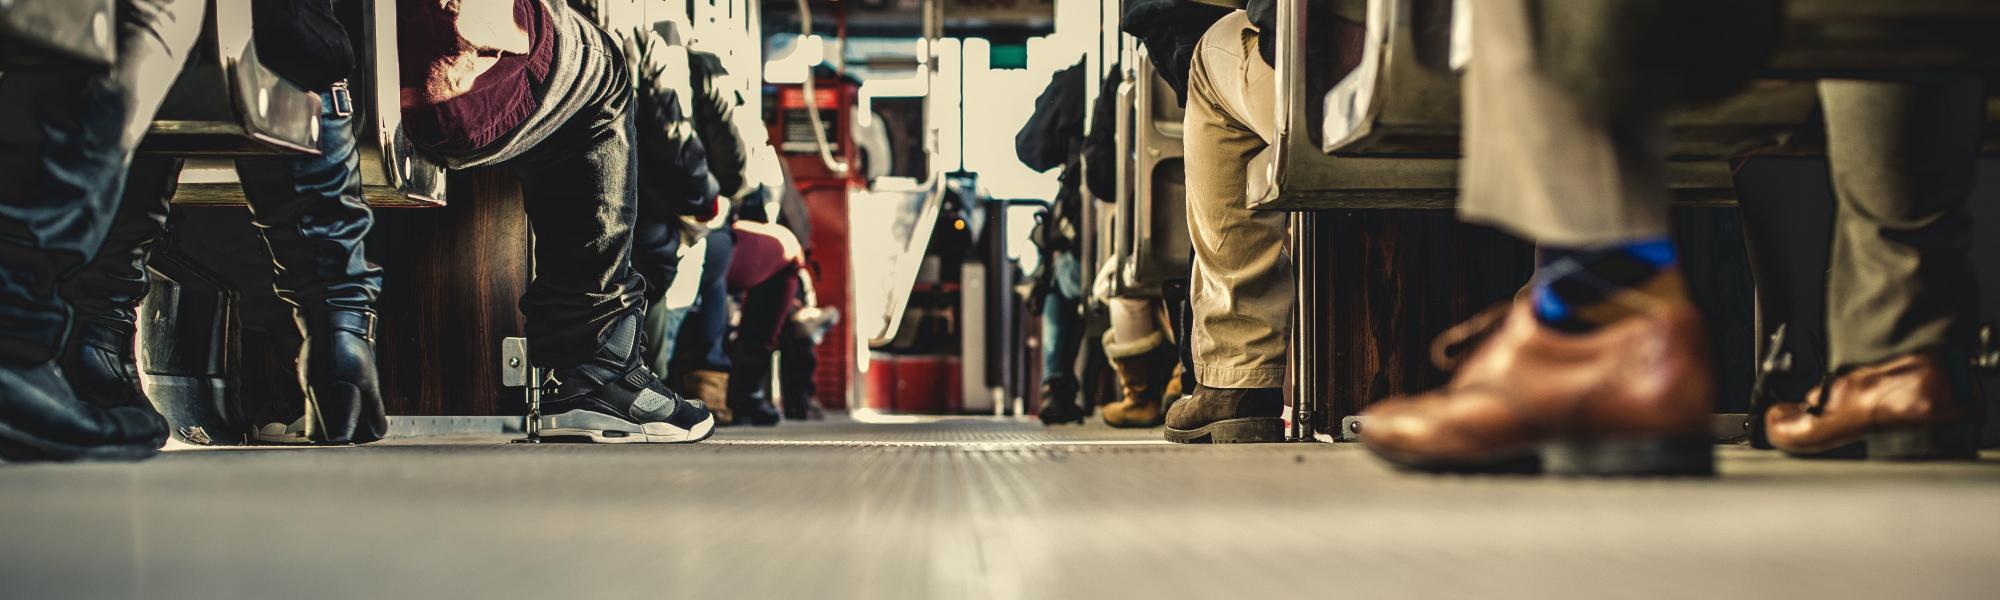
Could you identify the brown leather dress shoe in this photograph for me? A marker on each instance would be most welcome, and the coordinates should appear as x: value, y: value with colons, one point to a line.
x: 1629, y: 398
x: 1911, y: 407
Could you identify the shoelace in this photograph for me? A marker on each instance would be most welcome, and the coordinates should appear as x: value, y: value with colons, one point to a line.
x: 1450, y: 347
x: 1816, y: 404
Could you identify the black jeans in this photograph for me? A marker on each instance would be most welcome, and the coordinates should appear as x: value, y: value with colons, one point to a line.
x: 308, y: 209
x: 574, y: 160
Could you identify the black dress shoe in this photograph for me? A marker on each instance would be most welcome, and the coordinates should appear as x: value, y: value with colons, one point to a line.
x: 41, y: 419
x: 337, y: 373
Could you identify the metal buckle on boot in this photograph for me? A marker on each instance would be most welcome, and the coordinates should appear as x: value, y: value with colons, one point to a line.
x: 343, y: 99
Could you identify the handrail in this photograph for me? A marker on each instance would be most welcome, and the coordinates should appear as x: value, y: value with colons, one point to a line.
x: 837, y: 166
x: 909, y: 262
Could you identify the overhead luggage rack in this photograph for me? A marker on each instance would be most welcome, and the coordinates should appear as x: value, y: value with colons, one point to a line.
x: 393, y: 172
x: 47, y: 32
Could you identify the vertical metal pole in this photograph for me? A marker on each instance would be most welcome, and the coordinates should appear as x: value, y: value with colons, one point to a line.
x: 1002, y: 272
x: 1304, y: 357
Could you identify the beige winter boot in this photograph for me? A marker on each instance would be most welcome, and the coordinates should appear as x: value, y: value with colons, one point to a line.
x: 1144, y: 367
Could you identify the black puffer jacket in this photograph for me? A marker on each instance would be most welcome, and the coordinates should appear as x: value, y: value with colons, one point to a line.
x: 1100, y: 143
x: 1055, y: 129
x: 674, y: 179
x: 715, y: 122
x: 1170, y: 29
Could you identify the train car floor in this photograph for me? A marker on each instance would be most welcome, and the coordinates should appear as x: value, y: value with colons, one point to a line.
x: 974, y: 508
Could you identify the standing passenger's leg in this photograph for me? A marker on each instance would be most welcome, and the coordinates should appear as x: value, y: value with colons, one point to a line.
x: 1062, y: 335
x: 701, y: 356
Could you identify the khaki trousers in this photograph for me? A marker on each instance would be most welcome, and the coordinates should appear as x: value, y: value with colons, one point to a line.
x: 1554, y: 161
x: 1242, y: 283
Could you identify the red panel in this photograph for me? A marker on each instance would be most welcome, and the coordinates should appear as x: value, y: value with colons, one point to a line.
x: 826, y: 199
x: 924, y: 384
x: 828, y: 205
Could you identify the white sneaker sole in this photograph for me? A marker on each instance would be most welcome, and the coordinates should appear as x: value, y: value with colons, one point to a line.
x: 605, y: 429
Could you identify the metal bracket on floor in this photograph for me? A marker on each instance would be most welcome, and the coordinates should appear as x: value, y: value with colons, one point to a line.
x: 516, y: 371
x: 1723, y: 428
x: 1350, y: 429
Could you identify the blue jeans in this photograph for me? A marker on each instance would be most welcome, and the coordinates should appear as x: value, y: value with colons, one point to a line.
x: 66, y: 136
x: 1062, y: 327
x: 704, y: 336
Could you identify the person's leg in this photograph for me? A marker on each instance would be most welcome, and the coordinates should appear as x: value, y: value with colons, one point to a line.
x: 1059, y: 345
x: 1062, y: 336
x: 1242, y: 281
x: 66, y: 137
x: 1139, y: 353
x: 766, y: 307
x: 701, y: 357
x: 1900, y: 295
x: 99, y: 360
x: 585, y: 304
x: 1133, y: 319
x: 795, y: 374
x: 1602, y: 368
x: 311, y: 214
x: 764, y: 272
x: 664, y: 319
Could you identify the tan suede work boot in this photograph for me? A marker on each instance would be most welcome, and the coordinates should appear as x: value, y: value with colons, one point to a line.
x: 712, y: 388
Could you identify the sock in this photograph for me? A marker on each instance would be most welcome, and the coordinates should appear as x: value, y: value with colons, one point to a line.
x: 1580, y: 289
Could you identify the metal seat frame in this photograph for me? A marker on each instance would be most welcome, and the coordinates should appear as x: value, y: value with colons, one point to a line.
x: 394, y: 174
x: 1149, y: 241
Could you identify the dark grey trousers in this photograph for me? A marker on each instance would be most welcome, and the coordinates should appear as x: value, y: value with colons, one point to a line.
x: 1565, y: 144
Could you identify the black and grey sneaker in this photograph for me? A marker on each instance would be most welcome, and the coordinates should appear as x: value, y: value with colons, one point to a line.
x: 613, y: 398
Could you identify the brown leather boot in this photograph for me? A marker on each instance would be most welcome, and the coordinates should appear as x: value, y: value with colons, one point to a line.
x: 1632, y: 397
x: 712, y: 388
x: 1910, y: 407
x: 1144, y: 367
x: 1227, y: 416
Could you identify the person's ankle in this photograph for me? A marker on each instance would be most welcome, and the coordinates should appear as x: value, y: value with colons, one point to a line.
x: 1581, y: 289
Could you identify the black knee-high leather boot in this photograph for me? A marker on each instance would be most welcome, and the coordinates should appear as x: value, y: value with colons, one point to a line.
x: 312, y: 215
